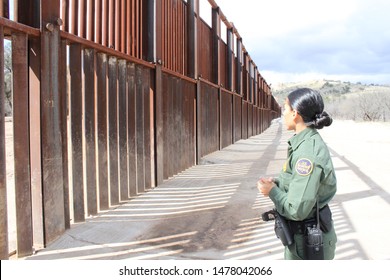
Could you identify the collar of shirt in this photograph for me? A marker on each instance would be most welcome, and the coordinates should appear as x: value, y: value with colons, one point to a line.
x: 299, y: 138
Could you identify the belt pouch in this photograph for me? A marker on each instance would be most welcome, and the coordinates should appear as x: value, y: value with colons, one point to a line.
x: 326, y: 219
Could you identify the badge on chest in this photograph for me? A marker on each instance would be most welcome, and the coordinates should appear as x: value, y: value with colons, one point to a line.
x: 304, y: 167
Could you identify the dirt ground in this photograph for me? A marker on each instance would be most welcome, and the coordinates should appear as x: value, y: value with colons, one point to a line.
x: 360, y: 153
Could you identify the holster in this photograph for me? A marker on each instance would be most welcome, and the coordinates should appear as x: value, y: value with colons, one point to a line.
x: 282, y: 230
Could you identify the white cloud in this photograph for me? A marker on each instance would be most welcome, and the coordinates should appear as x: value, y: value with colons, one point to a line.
x: 344, y: 39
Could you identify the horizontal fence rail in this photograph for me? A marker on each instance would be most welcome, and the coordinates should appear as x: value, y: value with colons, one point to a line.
x: 109, y: 99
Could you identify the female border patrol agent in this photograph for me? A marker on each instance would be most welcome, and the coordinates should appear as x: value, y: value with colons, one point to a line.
x: 307, y: 176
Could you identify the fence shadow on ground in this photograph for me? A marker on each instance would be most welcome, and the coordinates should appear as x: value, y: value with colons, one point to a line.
x: 210, y: 211
x: 185, y: 218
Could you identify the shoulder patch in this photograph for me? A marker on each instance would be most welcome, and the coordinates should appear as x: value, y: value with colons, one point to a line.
x: 304, y: 167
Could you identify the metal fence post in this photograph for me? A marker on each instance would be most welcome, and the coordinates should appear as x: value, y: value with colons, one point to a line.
x: 52, y: 169
x: 3, y: 174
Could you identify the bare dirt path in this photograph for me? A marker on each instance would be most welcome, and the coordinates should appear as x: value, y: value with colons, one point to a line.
x: 212, y: 211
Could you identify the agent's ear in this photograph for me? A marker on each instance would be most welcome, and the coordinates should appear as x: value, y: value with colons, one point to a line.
x: 296, y: 115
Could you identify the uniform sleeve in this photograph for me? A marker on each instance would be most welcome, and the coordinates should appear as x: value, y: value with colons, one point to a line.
x: 302, y: 186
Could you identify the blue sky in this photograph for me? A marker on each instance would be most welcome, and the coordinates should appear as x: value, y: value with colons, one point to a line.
x: 298, y: 40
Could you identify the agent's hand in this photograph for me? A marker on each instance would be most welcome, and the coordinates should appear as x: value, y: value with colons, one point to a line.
x: 265, y: 185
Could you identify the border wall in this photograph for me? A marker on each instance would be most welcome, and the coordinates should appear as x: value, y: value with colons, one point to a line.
x: 111, y: 98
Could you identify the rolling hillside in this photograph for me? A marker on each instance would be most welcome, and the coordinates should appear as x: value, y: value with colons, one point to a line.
x: 346, y: 100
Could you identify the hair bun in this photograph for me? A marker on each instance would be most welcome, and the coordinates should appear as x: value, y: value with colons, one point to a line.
x: 322, y: 120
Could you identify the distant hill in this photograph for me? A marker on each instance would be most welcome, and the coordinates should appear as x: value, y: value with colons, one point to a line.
x: 345, y: 100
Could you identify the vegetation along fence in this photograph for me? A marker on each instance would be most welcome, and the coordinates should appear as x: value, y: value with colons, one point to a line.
x: 110, y: 98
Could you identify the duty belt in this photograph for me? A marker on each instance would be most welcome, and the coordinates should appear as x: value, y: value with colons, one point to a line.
x: 299, y: 227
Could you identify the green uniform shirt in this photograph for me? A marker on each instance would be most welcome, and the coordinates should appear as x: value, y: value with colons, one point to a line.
x: 307, y: 174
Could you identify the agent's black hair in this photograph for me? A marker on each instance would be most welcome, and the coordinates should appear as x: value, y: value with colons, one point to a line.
x: 310, y: 106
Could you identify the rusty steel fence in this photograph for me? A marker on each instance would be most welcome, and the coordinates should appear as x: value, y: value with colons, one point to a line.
x: 111, y: 98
